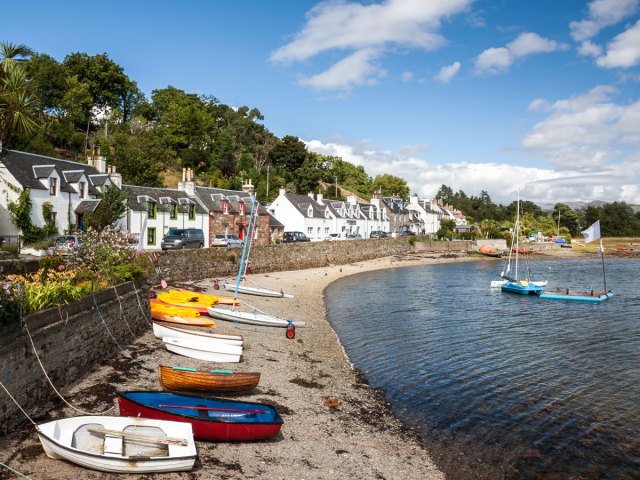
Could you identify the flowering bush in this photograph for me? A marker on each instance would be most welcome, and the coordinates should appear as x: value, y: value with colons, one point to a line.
x: 104, y: 259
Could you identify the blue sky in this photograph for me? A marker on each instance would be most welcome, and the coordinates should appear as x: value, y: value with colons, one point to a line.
x: 497, y: 95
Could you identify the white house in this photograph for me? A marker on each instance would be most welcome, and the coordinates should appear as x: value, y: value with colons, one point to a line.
x: 63, y: 190
x: 302, y: 213
x: 428, y: 212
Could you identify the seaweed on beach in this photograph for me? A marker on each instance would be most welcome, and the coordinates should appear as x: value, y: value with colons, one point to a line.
x: 306, y: 383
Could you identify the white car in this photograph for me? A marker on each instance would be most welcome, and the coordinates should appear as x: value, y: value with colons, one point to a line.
x: 228, y: 241
x: 334, y: 237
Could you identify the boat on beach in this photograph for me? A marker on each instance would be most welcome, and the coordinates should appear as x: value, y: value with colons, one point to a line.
x: 168, y: 329
x: 203, y: 349
x: 262, y: 292
x: 252, y: 318
x: 183, y: 379
x: 157, y: 306
x: 120, y: 444
x: 212, y: 419
x: 203, y: 321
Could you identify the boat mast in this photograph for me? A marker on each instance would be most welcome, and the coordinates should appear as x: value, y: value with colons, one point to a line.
x: 516, y: 232
x: 244, y: 252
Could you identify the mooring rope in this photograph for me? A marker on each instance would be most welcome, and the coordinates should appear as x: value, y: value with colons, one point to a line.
x: 14, y: 471
x: 17, y: 404
x: 144, y: 314
x: 122, y: 312
x: 35, y: 352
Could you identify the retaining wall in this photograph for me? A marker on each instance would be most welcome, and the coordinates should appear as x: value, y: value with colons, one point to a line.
x: 70, y: 341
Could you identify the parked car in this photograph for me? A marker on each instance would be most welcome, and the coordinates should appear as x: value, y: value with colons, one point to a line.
x: 292, y: 237
x: 229, y: 241
x: 67, y: 244
x: 405, y: 233
x: 183, y: 238
x: 334, y: 237
x: 378, y: 234
x: 353, y: 236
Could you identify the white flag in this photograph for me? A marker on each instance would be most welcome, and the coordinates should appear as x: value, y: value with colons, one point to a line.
x: 592, y: 233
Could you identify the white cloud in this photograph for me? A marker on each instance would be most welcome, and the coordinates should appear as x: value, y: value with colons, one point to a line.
x: 589, y: 49
x: 501, y: 180
x: 447, y: 73
x: 353, y: 27
x: 624, y: 50
x: 496, y: 60
x: 356, y: 69
x: 407, y: 76
x: 602, y: 13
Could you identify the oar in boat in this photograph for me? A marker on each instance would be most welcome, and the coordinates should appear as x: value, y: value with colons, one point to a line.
x: 194, y: 407
x: 139, y: 436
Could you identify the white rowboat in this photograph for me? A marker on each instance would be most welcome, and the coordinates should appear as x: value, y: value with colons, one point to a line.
x: 120, y: 444
x: 167, y: 329
x: 251, y: 318
x: 203, y: 349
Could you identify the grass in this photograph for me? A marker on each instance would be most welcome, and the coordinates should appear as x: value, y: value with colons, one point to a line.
x: 610, y: 244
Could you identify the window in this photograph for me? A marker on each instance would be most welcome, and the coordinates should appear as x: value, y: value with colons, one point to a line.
x: 225, y: 207
x: 310, y: 211
x: 53, y: 186
x: 241, y: 207
x: 326, y: 230
x: 192, y: 212
x: 152, y: 209
x: 318, y: 231
x: 174, y: 212
x: 53, y: 218
x: 81, y: 188
x: 151, y: 236
x: 310, y: 231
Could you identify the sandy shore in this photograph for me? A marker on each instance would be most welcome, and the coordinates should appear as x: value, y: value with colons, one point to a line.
x: 335, y: 426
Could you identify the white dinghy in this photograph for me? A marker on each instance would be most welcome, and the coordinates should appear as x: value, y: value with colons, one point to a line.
x: 168, y: 329
x: 203, y: 349
x: 251, y: 318
x: 499, y: 283
x: 120, y: 444
x: 262, y: 292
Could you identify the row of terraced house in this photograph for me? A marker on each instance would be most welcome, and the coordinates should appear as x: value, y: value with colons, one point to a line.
x: 66, y: 191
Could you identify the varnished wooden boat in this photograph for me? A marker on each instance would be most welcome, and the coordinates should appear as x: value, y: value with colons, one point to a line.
x: 179, y: 320
x: 168, y: 329
x: 181, y: 379
x: 160, y: 307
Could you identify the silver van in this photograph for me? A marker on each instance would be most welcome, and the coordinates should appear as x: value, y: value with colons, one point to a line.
x: 183, y: 238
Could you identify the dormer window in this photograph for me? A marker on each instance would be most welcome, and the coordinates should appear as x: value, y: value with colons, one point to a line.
x: 82, y: 186
x: 241, y: 207
x: 225, y: 207
x: 152, y: 209
x: 192, y: 212
x: 310, y: 211
x: 326, y: 213
x: 53, y: 186
x: 173, y: 214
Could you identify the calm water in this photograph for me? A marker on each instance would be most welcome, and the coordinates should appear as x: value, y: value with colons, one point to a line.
x: 501, y: 385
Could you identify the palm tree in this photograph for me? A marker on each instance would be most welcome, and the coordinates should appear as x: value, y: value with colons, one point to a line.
x: 15, y: 101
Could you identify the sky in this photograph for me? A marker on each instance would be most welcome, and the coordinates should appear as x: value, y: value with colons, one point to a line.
x: 541, y: 97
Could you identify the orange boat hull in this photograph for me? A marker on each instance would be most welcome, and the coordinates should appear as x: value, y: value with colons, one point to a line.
x: 204, y: 381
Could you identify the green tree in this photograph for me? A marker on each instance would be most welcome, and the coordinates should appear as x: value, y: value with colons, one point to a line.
x: 111, y: 208
x: 16, y: 101
x: 445, y: 193
x: 289, y: 154
x: 565, y: 216
x: 391, y: 185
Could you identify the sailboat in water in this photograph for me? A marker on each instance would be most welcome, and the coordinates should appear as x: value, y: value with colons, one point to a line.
x: 521, y: 286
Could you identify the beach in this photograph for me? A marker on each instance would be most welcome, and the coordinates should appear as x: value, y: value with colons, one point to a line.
x: 335, y: 425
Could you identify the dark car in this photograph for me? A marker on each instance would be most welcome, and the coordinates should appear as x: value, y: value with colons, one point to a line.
x: 292, y: 237
x: 183, y: 238
x: 378, y: 234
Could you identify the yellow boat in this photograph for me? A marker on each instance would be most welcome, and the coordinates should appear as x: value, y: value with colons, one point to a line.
x: 165, y: 308
x: 184, y: 301
x: 196, y: 321
x: 200, y: 297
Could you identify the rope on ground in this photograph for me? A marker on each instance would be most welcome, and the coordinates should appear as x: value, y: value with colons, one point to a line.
x: 14, y: 471
x: 122, y: 312
x: 35, y: 352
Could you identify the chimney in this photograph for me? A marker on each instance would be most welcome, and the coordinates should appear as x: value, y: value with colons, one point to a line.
x: 319, y: 198
x: 187, y: 185
x: 247, y: 187
x: 116, y: 178
x: 310, y: 194
x: 351, y: 199
x: 282, y: 191
x: 96, y: 160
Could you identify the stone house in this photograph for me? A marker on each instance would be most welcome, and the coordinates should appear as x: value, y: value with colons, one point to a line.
x: 399, y: 214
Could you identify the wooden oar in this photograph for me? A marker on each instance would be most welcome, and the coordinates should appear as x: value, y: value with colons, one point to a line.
x: 139, y: 436
x: 213, y: 408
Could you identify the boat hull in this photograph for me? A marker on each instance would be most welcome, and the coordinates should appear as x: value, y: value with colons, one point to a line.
x: 250, y: 318
x: 203, y: 350
x: 521, y: 288
x: 204, y: 381
x: 212, y: 419
x: 201, y: 321
x: 578, y: 296
x: 167, y: 329
x: 499, y: 283
x: 262, y: 292
x: 65, y: 439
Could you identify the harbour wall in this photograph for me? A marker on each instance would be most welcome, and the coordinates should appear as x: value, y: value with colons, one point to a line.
x: 70, y: 341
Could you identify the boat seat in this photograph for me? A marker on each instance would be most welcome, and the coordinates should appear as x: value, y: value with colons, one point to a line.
x: 113, y: 446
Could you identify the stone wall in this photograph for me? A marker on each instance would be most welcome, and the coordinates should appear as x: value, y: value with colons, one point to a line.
x: 182, y: 265
x: 70, y: 341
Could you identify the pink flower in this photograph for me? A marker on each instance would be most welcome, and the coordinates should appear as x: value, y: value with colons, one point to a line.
x: 60, y: 267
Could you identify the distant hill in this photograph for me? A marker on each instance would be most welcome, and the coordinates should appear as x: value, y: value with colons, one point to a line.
x: 548, y: 207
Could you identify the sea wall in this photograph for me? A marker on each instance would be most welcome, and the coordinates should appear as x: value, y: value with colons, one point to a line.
x: 70, y: 341
x: 181, y: 265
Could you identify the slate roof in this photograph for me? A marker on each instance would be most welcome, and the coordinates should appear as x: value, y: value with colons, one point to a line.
x: 87, y: 206
x: 302, y: 203
x: 395, y: 205
x: 28, y: 168
x: 212, y: 198
x: 138, y: 196
x: 274, y: 223
x: 72, y: 176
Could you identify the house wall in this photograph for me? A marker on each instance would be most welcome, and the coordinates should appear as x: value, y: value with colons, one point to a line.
x: 69, y: 341
x: 138, y: 222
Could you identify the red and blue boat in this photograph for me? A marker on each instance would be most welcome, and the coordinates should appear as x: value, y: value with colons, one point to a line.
x: 212, y: 419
